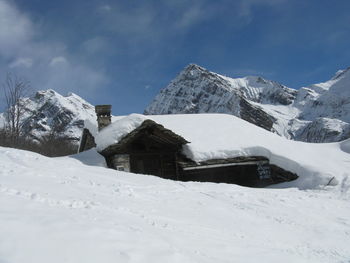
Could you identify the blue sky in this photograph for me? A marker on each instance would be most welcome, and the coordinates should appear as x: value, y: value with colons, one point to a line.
x: 124, y: 52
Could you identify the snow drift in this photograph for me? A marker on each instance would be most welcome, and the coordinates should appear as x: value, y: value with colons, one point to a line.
x: 220, y: 136
x: 61, y: 210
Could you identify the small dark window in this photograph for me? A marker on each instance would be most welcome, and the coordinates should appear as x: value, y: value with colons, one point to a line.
x: 120, y: 168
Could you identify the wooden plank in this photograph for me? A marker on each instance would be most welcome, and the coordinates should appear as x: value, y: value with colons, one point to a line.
x: 224, y: 165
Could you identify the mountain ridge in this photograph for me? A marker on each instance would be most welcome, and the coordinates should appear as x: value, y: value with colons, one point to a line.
x: 295, y: 114
x: 47, y: 112
x: 316, y: 113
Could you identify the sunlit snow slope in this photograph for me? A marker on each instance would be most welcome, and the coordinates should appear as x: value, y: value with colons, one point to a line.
x: 66, y: 210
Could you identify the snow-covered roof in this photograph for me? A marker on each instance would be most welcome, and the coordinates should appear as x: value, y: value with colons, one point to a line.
x: 220, y: 136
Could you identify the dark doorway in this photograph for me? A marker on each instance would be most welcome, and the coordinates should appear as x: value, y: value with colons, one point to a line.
x: 162, y: 165
x: 245, y: 175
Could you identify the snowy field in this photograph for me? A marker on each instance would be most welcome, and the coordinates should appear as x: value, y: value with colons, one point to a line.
x: 71, y: 210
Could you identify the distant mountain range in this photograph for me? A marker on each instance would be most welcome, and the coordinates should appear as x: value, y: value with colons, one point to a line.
x: 47, y: 112
x: 318, y: 113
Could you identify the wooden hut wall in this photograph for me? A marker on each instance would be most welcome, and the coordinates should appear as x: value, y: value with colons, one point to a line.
x: 87, y: 141
x: 253, y: 175
x: 155, y: 156
x: 246, y: 175
x: 152, y: 149
x: 159, y: 164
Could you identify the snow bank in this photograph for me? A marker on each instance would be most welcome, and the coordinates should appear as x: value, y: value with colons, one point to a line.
x: 90, y: 157
x: 345, y: 146
x: 91, y: 125
x: 60, y: 210
x: 113, y: 133
x: 219, y: 136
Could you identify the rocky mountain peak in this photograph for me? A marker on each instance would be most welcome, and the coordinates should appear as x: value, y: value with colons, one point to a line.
x: 341, y: 73
x: 193, y: 66
x: 194, y: 72
x: 48, y: 112
x: 318, y: 113
x: 295, y: 114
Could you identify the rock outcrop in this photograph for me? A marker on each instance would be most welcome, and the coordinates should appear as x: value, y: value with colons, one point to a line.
x: 318, y: 113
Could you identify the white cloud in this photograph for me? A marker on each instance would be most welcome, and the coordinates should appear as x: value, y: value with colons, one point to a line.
x: 154, y: 21
x: 22, y: 62
x: 64, y: 77
x: 58, y: 61
x: 15, y: 29
x: 191, y: 16
x: 137, y: 21
x: 55, y: 67
x: 105, y: 8
x: 95, y: 45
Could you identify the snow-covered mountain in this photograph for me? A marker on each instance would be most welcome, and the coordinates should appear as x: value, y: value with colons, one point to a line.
x: 319, y: 113
x: 47, y: 112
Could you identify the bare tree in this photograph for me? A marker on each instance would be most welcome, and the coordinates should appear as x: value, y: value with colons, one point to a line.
x: 53, y: 144
x: 15, y: 89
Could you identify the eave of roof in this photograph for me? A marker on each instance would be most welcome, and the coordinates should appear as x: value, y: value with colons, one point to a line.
x: 169, y: 138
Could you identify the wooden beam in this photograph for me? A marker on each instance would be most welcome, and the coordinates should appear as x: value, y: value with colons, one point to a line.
x: 224, y: 165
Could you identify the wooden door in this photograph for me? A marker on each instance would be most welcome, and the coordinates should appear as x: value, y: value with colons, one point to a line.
x: 162, y: 165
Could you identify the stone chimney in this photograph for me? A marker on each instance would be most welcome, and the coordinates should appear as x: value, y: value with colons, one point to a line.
x: 103, y: 113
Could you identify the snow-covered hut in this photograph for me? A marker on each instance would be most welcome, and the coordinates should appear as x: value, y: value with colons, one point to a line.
x: 181, y: 147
